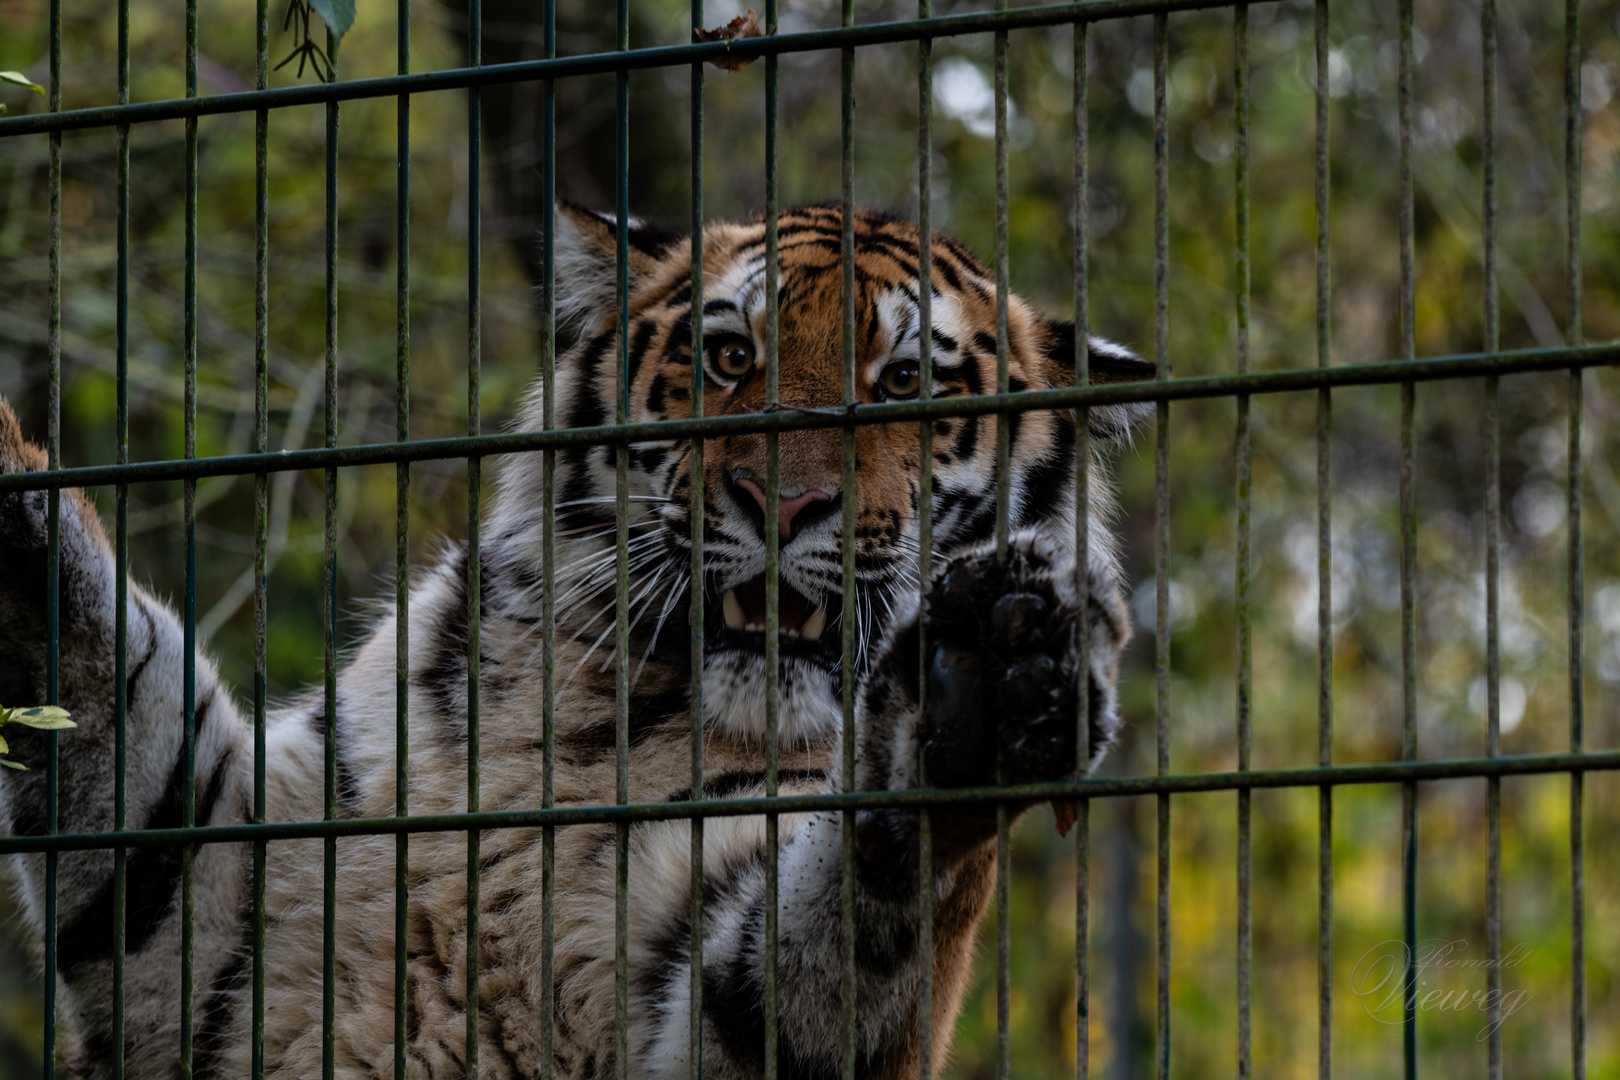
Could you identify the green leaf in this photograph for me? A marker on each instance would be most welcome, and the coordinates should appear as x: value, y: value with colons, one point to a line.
x: 19, y: 766
x: 17, y: 78
x: 338, y: 15
x: 4, y: 749
x: 43, y: 717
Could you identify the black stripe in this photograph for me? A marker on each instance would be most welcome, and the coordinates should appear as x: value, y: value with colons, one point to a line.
x: 152, y: 881
x: 640, y: 338
x: 133, y: 680
x: 732, y: 784
x: 215, y: 1015
x: 445, y: 677
x: 1048, y: 481
x: 588, y: 409
x: 348, y: 783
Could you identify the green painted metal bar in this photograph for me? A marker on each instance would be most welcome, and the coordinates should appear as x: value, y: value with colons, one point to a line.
x: 188, y: 804
x: 1493, y: 549
x: 1083, y: 396
x: 849, y: 626
x: 53, y: 539
x: 846, y: 36
x: 548, y: 547
x: 1574, y: 334
x: 1180, y: 389
x: 1161, y: 532
x: 402, y: 538
x: 475, y: 558
x: 925, y: 531
x: 1408, y: 518
x: 121, y: 567
x: 1244, y: 568
x: 696, y: 521
x: 329, y: 599
x: 1003, y: 347
x: 1082, y: 546
x: 1387, y: 772
x: 1003, y: 1060
x: 621, y: 518
x: 773, y: 558
x: 261, y: 517
x: 1324, y: 569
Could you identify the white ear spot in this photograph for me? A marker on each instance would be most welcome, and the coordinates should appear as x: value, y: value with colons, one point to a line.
x: 584, y: 269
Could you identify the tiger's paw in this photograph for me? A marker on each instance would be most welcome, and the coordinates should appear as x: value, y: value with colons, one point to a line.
x: 1003, y: 668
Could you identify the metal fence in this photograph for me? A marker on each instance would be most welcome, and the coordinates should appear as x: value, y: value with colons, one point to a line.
x: 1405, y: 370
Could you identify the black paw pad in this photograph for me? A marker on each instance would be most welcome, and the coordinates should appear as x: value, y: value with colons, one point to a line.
x: 1018, y: 619
x: 960, y: 732
x: 1029, y: 686
x: 957, y: 594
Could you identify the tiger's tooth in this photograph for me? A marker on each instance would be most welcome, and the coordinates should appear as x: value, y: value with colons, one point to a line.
x: 732, y: 608
x: 814, y: 625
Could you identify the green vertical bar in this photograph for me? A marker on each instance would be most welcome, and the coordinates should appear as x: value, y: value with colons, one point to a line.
x: 1082, y: 551
x: 1161, y: 539
x: 621, y: 517
x: 1324, y: 575
x: 53, y: 560
x: 1574, y: 335
x: 925, y: 528
x: 548, y: 547
x: 849, y: 624
x: 773, y: 552
x: 1409, y: 792
x: 1245, y: 657
x: 261, y: 515
x: 1003, y: 420
x: 1003, y: 515
x: 188, y: 813
x: 329, y: 596
x: 121, y: 560
x: 696, y: 522
x: 1493, y: 544
x: 402, y: 536
x: 475, y: 471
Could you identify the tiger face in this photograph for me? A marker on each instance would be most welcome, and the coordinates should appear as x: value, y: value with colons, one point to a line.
x: 812, y: 496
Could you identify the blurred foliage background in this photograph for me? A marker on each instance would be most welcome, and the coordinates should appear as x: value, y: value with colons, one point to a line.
x: 1450, y: 470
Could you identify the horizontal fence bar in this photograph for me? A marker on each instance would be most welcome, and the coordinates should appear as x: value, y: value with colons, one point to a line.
x: 1387, y: 772
x: 882, y: 33
x: 1093, y: 395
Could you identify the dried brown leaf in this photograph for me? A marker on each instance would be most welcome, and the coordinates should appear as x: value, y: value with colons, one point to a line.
x: 743, y: 26
x: 1067, y: 814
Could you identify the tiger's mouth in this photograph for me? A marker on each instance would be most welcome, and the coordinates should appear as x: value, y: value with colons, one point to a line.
x: 738, y: 622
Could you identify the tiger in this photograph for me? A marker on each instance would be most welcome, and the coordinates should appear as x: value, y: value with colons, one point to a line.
x: 1002, y: 682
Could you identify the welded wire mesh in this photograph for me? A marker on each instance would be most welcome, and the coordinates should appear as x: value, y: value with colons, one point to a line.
x: 1242, y: 384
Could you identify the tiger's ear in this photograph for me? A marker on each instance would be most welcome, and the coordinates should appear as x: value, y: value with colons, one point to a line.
x: 586, y: 263
x: 1105, y: 363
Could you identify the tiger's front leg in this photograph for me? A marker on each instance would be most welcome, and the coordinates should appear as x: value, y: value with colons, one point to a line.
x: 1003, y: 677
x: 154, y: 778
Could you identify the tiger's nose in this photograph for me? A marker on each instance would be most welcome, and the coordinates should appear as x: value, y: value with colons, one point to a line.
x: 811, y: 505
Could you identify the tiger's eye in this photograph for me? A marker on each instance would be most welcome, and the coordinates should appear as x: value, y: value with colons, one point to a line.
x: 734, y: 356
x: 902, y: 379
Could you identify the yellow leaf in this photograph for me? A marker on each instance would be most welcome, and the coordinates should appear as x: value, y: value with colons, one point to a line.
x: 17, y: 78
x: 43, y: 717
